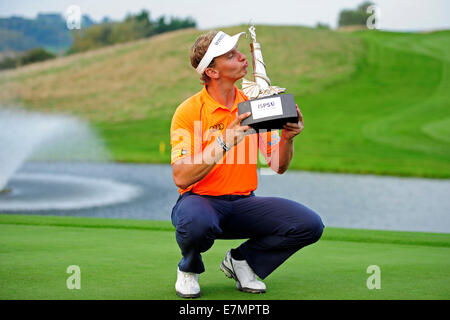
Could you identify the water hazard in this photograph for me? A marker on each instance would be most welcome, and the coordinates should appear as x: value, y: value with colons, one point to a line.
x: 148, y: 192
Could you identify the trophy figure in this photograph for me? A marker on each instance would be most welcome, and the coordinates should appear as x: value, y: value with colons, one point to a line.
x: 269, y: 109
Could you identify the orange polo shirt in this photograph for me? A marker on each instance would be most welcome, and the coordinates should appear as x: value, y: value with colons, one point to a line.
x: 196, y: 123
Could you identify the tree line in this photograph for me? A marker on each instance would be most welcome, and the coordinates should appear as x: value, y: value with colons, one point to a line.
x: 22, y: 40
x: 134, y: 27
x: 354, y: 17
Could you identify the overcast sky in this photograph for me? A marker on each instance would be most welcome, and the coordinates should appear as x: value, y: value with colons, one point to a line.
x: 401, y: 15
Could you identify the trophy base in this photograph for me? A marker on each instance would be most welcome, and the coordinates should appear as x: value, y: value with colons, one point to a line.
x: 270, y: 112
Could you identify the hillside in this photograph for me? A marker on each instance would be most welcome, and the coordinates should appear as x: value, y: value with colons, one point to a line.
x: 373, y: 102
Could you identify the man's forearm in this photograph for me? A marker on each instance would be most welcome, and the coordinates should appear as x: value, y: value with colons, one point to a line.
x: 189, y: 171
x: 286, y: 152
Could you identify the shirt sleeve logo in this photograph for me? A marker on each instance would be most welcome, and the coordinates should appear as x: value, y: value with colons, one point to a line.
x: 275, y: 138
x: 178, y: 153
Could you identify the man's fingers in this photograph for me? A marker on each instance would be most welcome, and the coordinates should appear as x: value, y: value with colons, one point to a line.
x: 244, y: 115
x: 244, y: 128
x: 238, y: 119
x: 293, y: 126
x: 300, y: 116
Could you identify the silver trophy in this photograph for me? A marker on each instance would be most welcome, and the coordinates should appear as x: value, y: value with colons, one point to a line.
x: 269, y: 109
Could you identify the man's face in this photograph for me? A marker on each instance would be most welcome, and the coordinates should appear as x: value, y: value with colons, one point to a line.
x: 232, y: 65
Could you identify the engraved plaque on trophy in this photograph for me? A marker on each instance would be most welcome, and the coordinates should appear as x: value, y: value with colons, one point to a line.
x: 269, y: 108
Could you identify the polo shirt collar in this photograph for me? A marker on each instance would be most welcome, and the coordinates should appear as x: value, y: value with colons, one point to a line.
x: 213, y: 105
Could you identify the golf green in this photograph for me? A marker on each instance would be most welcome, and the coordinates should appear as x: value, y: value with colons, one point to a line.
x: 137, y: 259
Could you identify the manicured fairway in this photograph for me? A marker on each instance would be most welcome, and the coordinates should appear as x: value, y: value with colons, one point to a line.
x: 136, y: 259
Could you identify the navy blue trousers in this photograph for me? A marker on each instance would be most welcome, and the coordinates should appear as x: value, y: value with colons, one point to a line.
x: 275, y: 228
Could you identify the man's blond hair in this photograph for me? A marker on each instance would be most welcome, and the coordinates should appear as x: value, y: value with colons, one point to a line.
x: 199, y: 49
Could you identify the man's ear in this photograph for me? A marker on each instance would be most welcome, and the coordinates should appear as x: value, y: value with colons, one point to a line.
x: 212, y: 73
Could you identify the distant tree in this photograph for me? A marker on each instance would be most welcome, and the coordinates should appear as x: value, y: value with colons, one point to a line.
x: 35, y: 55
x: 22, y: 58
x: 358, y: 16
x: 321, y: 25
x: 94, y: 37
x: 160, y: 25
x: 130, y: 30
x: 8, y: 63
x: 174, y: 23
x: 141, y: 25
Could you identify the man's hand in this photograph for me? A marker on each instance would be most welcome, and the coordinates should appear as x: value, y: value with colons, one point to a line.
x: 234, y: 132
x: 290, y: 130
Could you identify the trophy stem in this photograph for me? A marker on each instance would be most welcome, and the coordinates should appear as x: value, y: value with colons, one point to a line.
x: 259, y: 67
x: 261, y: 85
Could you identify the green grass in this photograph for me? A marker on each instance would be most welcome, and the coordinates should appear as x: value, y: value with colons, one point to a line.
x: 136, y: 259
x: 389, y: 118
x: 373, y: 102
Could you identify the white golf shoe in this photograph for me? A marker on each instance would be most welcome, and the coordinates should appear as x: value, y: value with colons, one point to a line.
x: 187, y: 285
x: 240, y: 271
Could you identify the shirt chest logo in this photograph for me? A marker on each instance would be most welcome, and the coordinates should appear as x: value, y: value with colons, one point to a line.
x: 217, y: 126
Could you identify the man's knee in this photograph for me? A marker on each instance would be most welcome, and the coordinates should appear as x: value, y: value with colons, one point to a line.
x: 310, y: 231
x: 316, y: 230
x: 197, y: 229
x: 194, y: 219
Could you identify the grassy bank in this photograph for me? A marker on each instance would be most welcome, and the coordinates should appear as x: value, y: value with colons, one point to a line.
x: 373, y: 102
x: 136, y: 259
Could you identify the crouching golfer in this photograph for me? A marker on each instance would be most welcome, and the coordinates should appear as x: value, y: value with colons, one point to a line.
x: 214, y: 165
